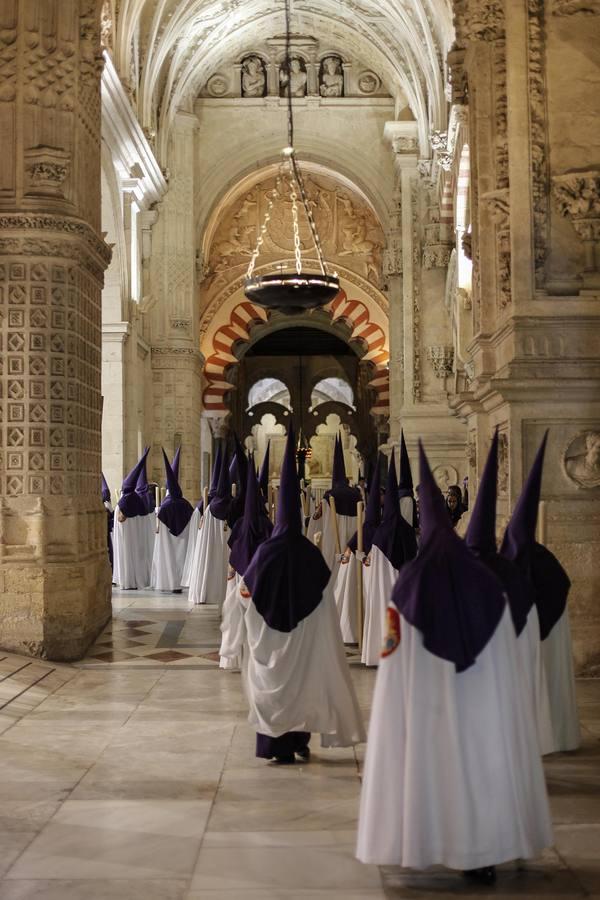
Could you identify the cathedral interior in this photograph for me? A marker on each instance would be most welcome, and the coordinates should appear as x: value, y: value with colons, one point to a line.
x: 450, y: 152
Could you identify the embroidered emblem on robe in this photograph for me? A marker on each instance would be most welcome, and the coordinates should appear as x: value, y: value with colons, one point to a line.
x: 392, y: 638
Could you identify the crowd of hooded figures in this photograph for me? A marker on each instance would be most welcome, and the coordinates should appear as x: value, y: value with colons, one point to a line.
x: 475, y: 675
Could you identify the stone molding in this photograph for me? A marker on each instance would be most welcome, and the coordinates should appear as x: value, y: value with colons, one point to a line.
x: 131, y: 151
x: 57, y: 226
x: 47, y: 169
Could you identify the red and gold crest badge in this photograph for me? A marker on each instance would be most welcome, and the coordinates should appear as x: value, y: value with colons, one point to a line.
x: 392, y: 638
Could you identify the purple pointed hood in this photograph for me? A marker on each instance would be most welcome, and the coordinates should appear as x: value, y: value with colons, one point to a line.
x: 519, y: 536
x: 346, y: 497
x: 548, y: 582
x: 105, y: 490
x: 238, y: 473
x: 220, y: 503
x: 142, y: 488
x: 446, y: 593
x: 130, y: 502
x: 252, y: 529
x: 481, y: 541
x: 263, y: 478
x: 394, y: 536
x: 214, y: 478
x: 287, y: 575
x: 175, y: 512
x: 372, y: 515
x: 175, y: 463
x: 405, y: 484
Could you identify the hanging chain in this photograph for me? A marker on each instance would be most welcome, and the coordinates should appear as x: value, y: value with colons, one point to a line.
x: 263, y: 228
x: 297, y: 246
x: 295, y: 178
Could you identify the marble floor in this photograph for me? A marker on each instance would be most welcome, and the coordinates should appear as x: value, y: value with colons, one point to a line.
x: 134, y: 779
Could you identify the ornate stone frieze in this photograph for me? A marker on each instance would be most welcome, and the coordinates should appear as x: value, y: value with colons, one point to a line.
x: 471, y: 451
x: 577, y: 196
x: 416, y: 336
x: 581, y: 459
x: 441, y: 357
x: 503, y: 463
x: 56, y: 225
x: 575, y: 7
x: 47, y: 169
x: 478, y: 20
x: 392, y: 255
x: 538, y: 136
x: 424, y: 167
x: 459, y: 86
x: 498, y: 204
x: 404, y: 144
x: 467, y: 244
x: 500, y: 114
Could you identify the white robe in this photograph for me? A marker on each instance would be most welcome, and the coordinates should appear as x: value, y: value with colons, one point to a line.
x: 168, y: 558
x: 233, y: 626
x: 328, y: 545
x: 531, y: 659
x: 189, y: 553
x: 208, y: 572
x: 300, y: 681
x: 453, y: 774
x: 345, y: 592
x: 132, y: 561
x: 560, y: 677
x: 378, y: 587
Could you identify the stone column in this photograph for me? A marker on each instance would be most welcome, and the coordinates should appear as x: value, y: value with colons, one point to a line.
x: 54, y: 573
x: 176, y: 358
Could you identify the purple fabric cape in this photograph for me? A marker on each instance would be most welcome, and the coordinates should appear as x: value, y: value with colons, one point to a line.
x: 346, y: 497
x: 252, y: 529
x: 130, y: 503
x: 481, y: 541
x: 372, y: 516
x: 448, y: 595
x: 287, y: 575
x: 548, y: 582
x: 394, y: 536
x: 175, y: 511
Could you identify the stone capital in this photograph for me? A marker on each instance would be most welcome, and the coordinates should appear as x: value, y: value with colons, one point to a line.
x: 402, y: 137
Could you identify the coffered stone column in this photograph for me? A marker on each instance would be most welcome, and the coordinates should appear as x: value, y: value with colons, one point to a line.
x: 54, y: 573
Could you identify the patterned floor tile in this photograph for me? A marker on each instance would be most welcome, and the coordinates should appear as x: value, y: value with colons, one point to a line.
x: 167, y: 656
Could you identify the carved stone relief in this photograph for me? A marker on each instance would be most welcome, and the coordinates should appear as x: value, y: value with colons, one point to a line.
x: 348, y: 229
x: 581, y: 459
x: 254, y: 77
x: 498, y: 204
x: 331, y: 77
x: 575, y: 7
x: 577, y: 196
x: 537, y: 125
x: 442, y: 359
x: 503, y: 463
x: 445, y: 476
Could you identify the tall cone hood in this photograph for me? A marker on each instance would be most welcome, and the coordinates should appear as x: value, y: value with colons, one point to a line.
x: 520, y: 531
x: 221, y: 502
x: 288, y: 505
x: 394, y: 536
x: 252, y: 529
x: 433, y: 516
x: 405, y: 484
x: 338, y: 471
x: 175, y: 511
x: 130, y: 502
x: 175, y: 463
x: 481, y: 533
x: 372, y: 513
x: 263, y: 478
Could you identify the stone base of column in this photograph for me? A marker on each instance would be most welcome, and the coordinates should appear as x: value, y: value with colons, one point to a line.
x: 59, y: 614
x: 55, y: 578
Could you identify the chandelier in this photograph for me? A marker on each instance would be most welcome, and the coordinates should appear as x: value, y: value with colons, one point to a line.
x: 296, y: 291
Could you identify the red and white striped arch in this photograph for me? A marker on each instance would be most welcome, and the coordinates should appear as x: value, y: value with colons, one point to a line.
x: 354, y: 312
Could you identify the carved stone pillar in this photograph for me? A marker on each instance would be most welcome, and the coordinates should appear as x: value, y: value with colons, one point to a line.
x: 54, y: 573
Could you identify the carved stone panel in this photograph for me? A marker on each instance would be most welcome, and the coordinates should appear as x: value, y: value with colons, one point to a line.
x: 581, y: 459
